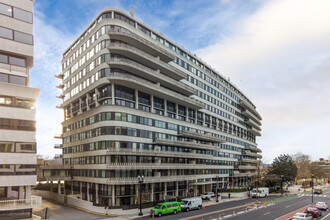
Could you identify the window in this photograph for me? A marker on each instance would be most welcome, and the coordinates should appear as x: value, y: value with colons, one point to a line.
x: 4, y: 78
x: 6, y: 10
x: 23, y: 37
x: 6, y: 33
x: 7, y: 147
x: 25, y: 147
x: 22, y: 15
x: 17, y: 61
x: 24, y: 103
x: 19, y: 80
x: 3, y: 58
x: 5, y: 101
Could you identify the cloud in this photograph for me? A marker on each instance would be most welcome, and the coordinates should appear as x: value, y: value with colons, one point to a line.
x: 279, y: 56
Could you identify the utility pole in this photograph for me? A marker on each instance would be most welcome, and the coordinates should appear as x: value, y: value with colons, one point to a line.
x: 140, y: 180
x: 257, y: 181
x: 216, y: 189
x: 312, y: 188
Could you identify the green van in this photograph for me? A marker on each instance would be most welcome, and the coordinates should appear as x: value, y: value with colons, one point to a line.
x: 166, y: 208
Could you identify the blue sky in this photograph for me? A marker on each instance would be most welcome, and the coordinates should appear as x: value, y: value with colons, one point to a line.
x: 276, y: 52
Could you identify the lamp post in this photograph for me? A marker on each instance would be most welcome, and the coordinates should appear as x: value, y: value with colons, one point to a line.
x: 140, y: 180
x: 216, y: 189
x: 282, y: 177
x: 312, y: 189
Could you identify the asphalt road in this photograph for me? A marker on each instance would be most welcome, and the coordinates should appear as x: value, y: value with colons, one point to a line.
x: 211, y: 208
x: 57, y: 211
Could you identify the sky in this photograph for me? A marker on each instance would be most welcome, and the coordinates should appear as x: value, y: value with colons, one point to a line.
x: 276, y: 51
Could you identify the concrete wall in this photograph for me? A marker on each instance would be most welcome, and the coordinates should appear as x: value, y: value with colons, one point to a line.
x: 235, y: 195
x: 49, y: 195
x: 24, y: 180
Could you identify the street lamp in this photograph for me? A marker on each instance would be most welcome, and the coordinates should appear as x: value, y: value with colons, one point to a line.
x: 216, y: 189
x: 140, y: 180
x: 312, y: 189
x: 282, y: 177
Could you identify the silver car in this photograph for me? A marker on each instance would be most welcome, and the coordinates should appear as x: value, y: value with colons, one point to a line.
x: 300, y: 215
x: 322, y: 205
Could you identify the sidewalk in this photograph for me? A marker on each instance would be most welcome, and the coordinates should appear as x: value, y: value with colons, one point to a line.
x: 146, y: 212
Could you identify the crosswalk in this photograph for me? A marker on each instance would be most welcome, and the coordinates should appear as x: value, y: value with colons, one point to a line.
x: 300, y: 195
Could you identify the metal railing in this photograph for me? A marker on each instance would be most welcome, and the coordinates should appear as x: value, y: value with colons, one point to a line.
x: 34, y: 202
x: 13, y: 68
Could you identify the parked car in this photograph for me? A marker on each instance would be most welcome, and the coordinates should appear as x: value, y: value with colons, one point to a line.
x: 208, y: 195
x: 166, y: 208
x: 301, y: 216
x: 322, y: 205
x: 191, y: 204
x: 318, y: 191
x: 316, y: 213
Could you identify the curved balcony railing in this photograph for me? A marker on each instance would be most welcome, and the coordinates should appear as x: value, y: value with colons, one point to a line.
x: 17, y: 204
x: 191, y: 144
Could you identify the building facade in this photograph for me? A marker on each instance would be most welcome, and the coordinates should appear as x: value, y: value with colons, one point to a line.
x: 17, y: 112
x: 136, y: 103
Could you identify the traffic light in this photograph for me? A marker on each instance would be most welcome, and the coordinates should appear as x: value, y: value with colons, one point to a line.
x: 329, y: 181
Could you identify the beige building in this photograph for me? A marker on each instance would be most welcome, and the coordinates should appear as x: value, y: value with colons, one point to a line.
x: 17, y: 112
x: 136, y: 103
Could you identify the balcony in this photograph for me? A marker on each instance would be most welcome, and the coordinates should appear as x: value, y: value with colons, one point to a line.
x: 140, y: 42
x: 255, y: 149
x: 254, y: 131
x: 60, y: 86
x: 58, y: 146
x: 12, y: 69
x: 153, y: 88
x: 247, y: 105
x: 60, y: 96
x: 249, y: 174
x: 190, y: 144
x: 157, y: 179
x: 248, y: 153
x: 253, y: 124
x: 198, y: 136
x: 60, y: 75
x: 250, y: 161
x: 58, y: 156
x: 158, y: 153
x: 246, y: 167
x: 143, y: 57
x: 249, y: 115
x: 18, y: 204
x: 59, y: 136
x: 150, y: 74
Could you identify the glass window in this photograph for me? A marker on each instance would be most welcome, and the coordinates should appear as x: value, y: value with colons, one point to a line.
x: 6, y: 9
x: 6, y: 33
x: 17, y: 80
x: 7, y: 147
x: 5, y: 123
x: 3, y: 58
x: 23, y: 38
x: 17, y: 61
x: 4, y: 78
x: 25, y: 147
x: 24, y: 103
x: 22, y: 15
x: 5, y: 100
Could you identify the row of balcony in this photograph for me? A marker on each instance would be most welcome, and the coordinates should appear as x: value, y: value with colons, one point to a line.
x: 19, y: 204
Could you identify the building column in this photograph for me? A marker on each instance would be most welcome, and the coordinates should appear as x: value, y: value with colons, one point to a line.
x: 152, y: 103
x: 176, y: 188
x: 97, y: 193
x: 59, y: 187
x: 203, y: 189
x: 71, y: 115
x: 152, y: 192
x: 71, y: 187
x: 165, y: 107
x: 8, y: 192
x: 20, y: 192
x: 137, y: 193
x: 28, y: 192
x: 195, y: 190
x: 88, y: 97
x: 51, y: 186
x: 187, y: 188
x: 113, y: 195
x: 136, y: 99
x: 96, y: 97
x: 113, y: 93
x: 80, y: 110
x: 81, y: 192
x: 165, y: 191
x: 88, y: 196
x: 176, y: 110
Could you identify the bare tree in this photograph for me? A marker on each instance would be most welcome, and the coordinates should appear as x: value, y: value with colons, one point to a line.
x: 303, y: 163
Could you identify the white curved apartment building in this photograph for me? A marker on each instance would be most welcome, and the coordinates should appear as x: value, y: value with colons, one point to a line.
x: 137, y: 103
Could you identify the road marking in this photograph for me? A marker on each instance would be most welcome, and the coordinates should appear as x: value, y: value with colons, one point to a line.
x: 325, y: 216
x: 267, y: 213
x: 287, y: 206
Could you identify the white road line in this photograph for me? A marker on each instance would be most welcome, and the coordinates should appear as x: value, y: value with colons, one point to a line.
x: 325, y: 216
x: 287, y: 206
x: 267, y: 213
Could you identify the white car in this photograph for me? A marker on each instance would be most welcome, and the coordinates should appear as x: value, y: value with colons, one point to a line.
x: 208, y: 195
x: 322, y: 205
x: 300, y: 216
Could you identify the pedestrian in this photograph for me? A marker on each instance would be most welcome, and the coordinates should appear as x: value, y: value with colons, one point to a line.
x: 228, y: 195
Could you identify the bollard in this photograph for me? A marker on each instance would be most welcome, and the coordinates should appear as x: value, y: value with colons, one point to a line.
x: 203, y: 207
x: 153, y: 216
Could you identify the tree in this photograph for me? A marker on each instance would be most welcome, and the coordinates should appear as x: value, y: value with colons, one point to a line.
x: 303, y: 163
x: 284, y: 165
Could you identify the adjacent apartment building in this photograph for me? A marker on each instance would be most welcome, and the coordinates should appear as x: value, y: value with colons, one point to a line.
x: 17, y: 112
x: 136, y: 103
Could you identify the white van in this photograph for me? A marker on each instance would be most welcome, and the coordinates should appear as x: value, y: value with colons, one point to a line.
x: 262, y: 192
x: 191, y: 204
